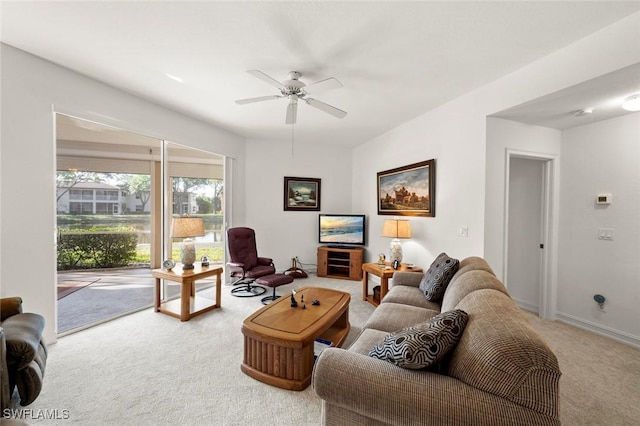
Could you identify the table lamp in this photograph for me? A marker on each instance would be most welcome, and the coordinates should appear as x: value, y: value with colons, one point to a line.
x: 394, y: 228
x: 186, y: 228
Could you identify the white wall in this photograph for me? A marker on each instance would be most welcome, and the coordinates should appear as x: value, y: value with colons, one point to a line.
x: 281, y: 234
x: 31, y: 90
x: 459, y: 190
x: 455, y: 135
x: 470, y: 158
x: 503, y: 135
x: 602, y: 157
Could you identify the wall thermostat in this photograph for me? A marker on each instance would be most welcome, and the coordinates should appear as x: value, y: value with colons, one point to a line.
x: 603, y: 199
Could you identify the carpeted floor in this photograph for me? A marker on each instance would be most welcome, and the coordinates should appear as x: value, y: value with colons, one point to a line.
x: 151, y: 369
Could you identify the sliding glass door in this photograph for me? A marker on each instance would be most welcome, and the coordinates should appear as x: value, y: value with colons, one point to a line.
x: 116, y: 194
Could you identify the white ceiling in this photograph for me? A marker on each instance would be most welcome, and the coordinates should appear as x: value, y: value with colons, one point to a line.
x: 396, y: 60
x: 603, y: 95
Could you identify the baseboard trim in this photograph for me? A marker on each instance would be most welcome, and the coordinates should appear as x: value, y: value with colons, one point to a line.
x: 600, y: 329
x: 527, y: 306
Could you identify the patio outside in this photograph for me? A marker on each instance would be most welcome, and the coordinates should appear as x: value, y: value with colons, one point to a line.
x: 89, y: 297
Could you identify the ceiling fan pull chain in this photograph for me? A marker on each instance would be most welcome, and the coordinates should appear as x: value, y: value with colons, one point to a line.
x: 292, y: 141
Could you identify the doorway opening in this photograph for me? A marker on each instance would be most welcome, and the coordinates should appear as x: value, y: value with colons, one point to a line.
x: 530, y: 231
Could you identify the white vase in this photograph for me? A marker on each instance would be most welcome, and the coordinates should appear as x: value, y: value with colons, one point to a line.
x: 188, y: 253
x: 395, y: 251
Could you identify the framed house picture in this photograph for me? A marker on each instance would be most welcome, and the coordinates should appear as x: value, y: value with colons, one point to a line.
x: 301, y: 194
x: 408, y: 190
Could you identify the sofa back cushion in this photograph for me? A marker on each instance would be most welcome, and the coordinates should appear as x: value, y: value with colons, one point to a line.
x: 500, y: 353
x: 471, y: 281
x: 472, y: 263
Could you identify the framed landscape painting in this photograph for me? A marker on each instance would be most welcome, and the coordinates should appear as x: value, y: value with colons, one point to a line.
x: 301, y: 194
x: 408, y: 190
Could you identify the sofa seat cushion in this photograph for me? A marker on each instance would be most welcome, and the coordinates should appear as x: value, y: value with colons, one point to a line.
x: 412, y: 296
x: 437, y: 278
x: 424, y: 344
x: 367, y: 339
x: 391, y: 317
x: 500, y: 353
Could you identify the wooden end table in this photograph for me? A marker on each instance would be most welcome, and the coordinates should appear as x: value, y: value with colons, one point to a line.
x: 189, y: 304
x: 384, y: 274
x: 279, y: 340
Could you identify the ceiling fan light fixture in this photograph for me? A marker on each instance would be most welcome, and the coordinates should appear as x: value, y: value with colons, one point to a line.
x: 294, y: 90
x: 632, y: 103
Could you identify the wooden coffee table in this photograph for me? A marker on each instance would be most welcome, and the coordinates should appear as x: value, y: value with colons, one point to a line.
x: 279, y: 339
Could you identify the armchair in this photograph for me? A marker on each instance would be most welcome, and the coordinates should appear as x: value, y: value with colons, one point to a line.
x: 245, y: 263
x: 23, y: 353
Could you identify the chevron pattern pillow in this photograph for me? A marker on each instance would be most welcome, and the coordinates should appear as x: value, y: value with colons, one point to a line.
x: 437, y: 278
x: 424, y: 344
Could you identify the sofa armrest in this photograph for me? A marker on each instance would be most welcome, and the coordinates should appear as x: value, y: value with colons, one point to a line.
x: 381, y: 391
x: 5, y: 391
x: 411, y: 279
x: 22, y: 333
x: 10, y: 306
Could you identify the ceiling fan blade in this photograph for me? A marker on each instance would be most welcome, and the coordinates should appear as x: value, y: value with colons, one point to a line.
x: 258, y: 99
x: 292, y: 113
x: 326, y: 107
x: 326, y: 84
x: 270, y: 80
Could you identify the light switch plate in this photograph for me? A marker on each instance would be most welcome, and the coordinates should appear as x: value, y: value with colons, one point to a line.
x: 605, y: 234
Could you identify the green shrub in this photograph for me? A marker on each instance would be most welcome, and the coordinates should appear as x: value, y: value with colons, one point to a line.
x: 96, y: 248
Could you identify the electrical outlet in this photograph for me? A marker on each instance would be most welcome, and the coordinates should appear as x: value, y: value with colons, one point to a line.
x: 463, y: 231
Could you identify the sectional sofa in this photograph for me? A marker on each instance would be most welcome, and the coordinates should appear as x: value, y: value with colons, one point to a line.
x: 500, y: 372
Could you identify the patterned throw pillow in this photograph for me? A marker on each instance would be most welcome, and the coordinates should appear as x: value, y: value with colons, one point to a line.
x: 437, y: 278
x: 424, y: 344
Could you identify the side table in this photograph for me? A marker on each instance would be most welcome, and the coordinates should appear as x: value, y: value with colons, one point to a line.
x: 384, y: 274
x: 188, y: 305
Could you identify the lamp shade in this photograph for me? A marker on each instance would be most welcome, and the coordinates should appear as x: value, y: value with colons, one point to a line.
x: 394, y: 228
x: 187, y: 227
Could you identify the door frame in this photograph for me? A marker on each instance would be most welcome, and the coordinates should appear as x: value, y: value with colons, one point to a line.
x: 549, y: 232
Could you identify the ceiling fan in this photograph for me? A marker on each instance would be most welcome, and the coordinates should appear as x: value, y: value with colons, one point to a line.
x: 295, y: 90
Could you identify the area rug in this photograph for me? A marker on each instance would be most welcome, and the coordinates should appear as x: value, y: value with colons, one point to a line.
x: 65, y: 288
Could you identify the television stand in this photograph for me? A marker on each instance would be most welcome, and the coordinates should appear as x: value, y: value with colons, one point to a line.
x: 340, y: 262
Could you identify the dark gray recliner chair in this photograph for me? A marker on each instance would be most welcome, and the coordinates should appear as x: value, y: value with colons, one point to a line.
x: 23, y: 353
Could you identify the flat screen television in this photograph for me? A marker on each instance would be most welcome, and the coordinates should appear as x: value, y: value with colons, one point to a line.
x: 342, y: 229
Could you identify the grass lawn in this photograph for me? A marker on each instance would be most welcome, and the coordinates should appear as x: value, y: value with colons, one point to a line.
x: 215, y: 254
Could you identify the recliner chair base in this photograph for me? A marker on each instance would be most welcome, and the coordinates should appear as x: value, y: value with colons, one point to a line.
x: 247, y: 290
